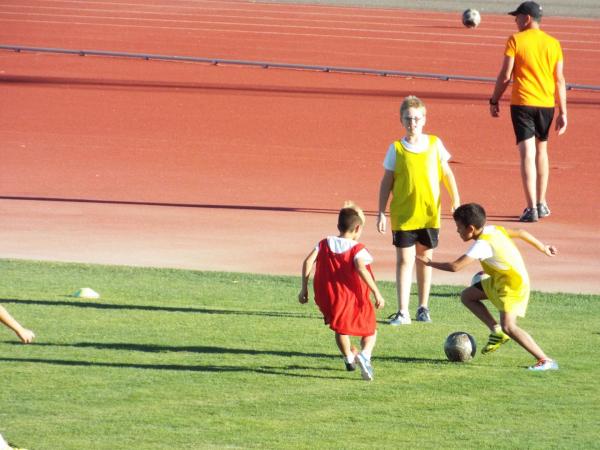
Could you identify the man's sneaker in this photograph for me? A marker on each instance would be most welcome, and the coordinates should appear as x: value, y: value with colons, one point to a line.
x: 399, y: 319
x: 545, y: 364
x: 423, y: 315
x: 366, y: 369
x: 496, y: 339
x: 543, y: 210
x: 529, y: 215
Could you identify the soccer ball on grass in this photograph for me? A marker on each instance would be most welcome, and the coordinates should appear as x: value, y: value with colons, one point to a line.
x: 479, y: 276
x: 460, y: 347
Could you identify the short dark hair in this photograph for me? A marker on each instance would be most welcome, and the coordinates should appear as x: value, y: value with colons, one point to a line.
x: 470, y: 214
x: 349, y: 217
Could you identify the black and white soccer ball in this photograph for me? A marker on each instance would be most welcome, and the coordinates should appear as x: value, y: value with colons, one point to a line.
x: 460, y: 347
x: 471, y: 18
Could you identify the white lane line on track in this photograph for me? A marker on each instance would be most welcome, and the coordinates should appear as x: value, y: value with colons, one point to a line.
x: 478, y: 37
x: 343, y: 12
x: 501, y: 39
x: 350, y: 20
x: 278, y: 33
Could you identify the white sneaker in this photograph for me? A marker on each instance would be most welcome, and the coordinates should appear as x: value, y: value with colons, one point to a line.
x: 366, y: 369
x: 399, y: 319
x: 545, y: 364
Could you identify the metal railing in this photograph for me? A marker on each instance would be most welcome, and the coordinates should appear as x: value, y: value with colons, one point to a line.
x: 266, y: 65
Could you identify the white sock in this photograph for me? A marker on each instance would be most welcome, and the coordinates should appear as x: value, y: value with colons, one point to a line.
x: 349, y: 359
x: 366, y: 354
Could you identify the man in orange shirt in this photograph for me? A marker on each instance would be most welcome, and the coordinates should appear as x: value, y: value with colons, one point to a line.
x: 534, y: 62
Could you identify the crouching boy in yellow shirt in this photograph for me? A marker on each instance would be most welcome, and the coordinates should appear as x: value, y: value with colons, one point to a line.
x: 507, y: 286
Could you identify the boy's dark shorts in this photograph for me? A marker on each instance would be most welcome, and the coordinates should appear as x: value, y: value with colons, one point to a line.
x: 529, y: 121
x: 424, y: 236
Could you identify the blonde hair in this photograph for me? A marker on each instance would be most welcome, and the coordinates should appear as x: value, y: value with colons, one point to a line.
x: 350, y: 216
x: 412, y: 102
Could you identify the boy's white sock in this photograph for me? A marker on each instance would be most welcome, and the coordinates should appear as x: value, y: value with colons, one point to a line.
x: 366, y: 354
x: 497, y: 328
x: 349, y: 359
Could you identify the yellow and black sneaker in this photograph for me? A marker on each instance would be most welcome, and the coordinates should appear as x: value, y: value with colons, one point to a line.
x: 496, y: 339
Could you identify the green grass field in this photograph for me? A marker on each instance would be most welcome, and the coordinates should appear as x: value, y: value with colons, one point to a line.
x: 199, y: 360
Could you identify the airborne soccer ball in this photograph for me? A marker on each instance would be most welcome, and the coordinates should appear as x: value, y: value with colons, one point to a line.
x: 460, y: 347
x: 479, y: 276
x: 471, y: 18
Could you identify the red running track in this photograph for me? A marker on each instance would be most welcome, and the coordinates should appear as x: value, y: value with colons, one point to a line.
x: 229, y: 168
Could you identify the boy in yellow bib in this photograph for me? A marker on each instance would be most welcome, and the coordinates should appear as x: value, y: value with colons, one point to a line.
x: 415, y: 166
x: 507, y: 286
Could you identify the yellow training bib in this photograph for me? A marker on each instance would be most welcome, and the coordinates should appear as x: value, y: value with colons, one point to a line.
x: 416, y: 200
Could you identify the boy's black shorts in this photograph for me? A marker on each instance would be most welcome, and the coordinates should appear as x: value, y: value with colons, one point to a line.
x: 529, y: 121
x: 424, y: 236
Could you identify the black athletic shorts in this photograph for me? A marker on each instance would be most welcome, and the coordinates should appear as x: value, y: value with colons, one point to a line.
x: 424, y: 236
x: 529, y: 121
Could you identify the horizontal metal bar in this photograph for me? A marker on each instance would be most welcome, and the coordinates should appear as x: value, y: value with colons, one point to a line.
x: 266, y: 65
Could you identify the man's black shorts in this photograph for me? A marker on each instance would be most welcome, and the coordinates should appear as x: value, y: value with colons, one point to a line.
x: 529, y: 121
x: 424, y: 236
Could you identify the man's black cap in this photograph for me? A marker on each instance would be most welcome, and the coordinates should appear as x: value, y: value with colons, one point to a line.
x: 529, y: 8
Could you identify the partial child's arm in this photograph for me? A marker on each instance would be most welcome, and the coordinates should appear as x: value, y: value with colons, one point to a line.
x: 387, y: 182
x: 450, y: 183
x: 306, y: 269
x: 548, y: 250
x: 454, y: 266
x: 24, y: 334
x: 366, y: 275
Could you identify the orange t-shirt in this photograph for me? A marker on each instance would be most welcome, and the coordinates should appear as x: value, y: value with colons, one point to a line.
x: 536, y: 55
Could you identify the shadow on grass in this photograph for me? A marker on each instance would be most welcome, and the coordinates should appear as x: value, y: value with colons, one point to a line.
x: 264, y: 370
x: 203, y: 349
x: 79, y: 303
x: 152, y: 348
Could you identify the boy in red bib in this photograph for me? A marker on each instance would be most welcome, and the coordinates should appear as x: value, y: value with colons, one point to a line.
x: 342, y: 283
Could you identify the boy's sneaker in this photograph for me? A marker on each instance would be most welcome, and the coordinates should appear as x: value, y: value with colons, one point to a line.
x: 351, y: 367
x: 529, y: 215
x: 423, y: 315
x: 545, y: 364
x: 366, y: 369
x: 543, y: 210
x: 399, y: 319
x: 496, y: 339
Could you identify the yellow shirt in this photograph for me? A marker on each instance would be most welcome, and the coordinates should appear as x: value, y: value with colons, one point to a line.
x: 416, y: 199
x: 536, y: 55
x: 508, y: 285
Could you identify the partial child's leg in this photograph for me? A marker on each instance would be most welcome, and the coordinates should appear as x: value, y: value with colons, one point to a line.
x: 471, y: 297
x: 343, y: 343
x: 424, y: 275
x: 367, y: 343
x: 405, y: 262
x: 509, y: 326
